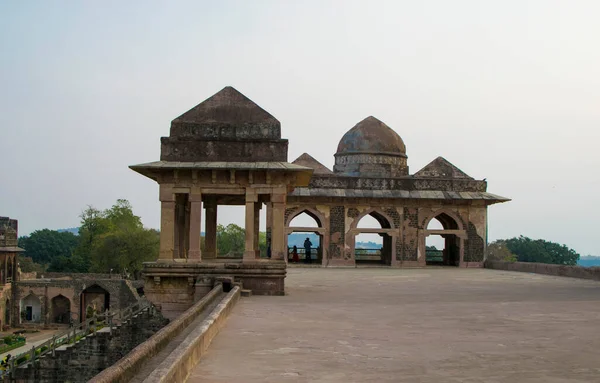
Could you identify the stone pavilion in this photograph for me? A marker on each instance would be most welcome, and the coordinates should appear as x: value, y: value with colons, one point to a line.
x: 229, y: 151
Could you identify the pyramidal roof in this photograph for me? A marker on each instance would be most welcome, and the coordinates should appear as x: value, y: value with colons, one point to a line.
x: 309, y: 161
x: 441, y: 168
x: 228, y: 107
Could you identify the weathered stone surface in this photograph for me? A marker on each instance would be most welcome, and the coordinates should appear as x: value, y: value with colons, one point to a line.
x: 425, y: 325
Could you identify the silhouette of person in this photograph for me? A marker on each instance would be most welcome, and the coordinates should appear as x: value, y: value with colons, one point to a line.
x: 295, y: 258
x: 307, y: 246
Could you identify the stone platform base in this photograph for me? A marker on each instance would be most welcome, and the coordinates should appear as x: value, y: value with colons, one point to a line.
x: 176, y: 285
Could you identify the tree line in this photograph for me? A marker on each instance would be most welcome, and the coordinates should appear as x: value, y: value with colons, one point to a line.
x: 524, y: 249
x: 111, y: 240
x: 115, y: 240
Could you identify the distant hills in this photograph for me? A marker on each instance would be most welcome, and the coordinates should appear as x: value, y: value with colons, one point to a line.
x: 589, y: 261
x: 74, y: 230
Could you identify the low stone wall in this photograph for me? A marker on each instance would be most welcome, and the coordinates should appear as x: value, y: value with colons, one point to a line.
x: 180, y: 363
x: 548, y: 269
x: 126, y: 368
x: 57, y: 275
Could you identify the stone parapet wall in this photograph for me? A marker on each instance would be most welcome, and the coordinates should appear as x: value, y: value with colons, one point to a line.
x: 179, y: 364
x: 55, y: 275
x: 547, y: 269
x: 186, y: 150
x: 127, y: 367
x: 404, y: 183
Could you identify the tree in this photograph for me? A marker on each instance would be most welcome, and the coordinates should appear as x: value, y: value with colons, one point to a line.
x: 497, y: 251
x: 115, y: 239
x: 231, y: 240
x: 45, y: 245
x: 541, y: 251
x: 27, y: 265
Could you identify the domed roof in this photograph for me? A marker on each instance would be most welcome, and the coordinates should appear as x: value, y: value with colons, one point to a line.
x: 371, y: 136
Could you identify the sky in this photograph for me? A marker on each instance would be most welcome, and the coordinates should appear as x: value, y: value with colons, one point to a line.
x: 505, y: 90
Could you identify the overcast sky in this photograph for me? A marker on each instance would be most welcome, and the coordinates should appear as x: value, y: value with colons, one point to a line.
x: 505, y: 90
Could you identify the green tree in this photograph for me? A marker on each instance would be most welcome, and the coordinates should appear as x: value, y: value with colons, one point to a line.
x: 125, y: 250
x: 498, y: 251
x: 231, y: 240
x: 27, y: 265
x: 541, y: 251
x: 45, y: 245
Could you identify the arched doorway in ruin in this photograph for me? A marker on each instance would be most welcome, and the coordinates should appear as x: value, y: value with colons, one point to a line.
x: 31, y: 309
x: 444, y: 240
x: 94, y: 300
x: 306, y: 223
x: 374, y: 240
x: 7, y: 313
x: 60, y: 309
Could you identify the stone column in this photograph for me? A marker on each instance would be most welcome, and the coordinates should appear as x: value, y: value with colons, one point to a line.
x: 167, y: 224
x: 181, y: 230
x: 251, y: 199
x: 257, y: 207
x: 5, y: 269
x: 195, y: 219
x: 269, y: 224
x: 210, y: 230
x: 278, y: 250
x: 461, y: 262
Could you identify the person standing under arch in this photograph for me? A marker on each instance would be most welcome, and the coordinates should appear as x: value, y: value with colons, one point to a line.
x: 307, y: 248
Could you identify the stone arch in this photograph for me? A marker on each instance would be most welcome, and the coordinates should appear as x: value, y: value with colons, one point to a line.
x: 322, y: 231
x: 60, y: 307
x: 31, y: 308
x: 449, y: 220
x: 94, y: 298
x: 384, y: 220
x: 311, y: 212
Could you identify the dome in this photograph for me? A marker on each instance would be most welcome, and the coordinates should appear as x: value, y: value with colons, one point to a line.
x: 371, y: 136
x: 371, y: 149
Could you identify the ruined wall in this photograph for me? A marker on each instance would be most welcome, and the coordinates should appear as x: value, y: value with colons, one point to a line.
x: 85, y: 359
x: 122, y: 294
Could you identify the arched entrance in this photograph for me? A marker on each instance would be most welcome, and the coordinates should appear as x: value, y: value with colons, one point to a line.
x: 94, y: 300
x: 7, y: 313
x: 373, y: 240
x: 302, y: 225
x: 31, y: 309
x: 447, y: 248
x: 61, y: 309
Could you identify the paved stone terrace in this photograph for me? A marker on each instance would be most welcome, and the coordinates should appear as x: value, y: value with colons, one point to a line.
x: 421, y: 325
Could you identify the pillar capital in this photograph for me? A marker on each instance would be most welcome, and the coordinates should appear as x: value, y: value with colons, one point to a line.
x: 166, y: 193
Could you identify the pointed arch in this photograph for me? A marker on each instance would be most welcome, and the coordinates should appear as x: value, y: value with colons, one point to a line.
x: 60, y: 307
x: 384, y: 220
x: 449, y: 220
x: 311, y: 212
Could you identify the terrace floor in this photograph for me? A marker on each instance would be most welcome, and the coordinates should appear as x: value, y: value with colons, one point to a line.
x: 412, y: 325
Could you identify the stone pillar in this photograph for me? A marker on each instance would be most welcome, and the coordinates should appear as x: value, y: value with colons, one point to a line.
x: 181, y: 229
x: 195, y: 219
x: 278, y: 250
x: 5, y: 269
x: 251, y: 199
x: 257, y: 207
x: 167, y: 229
x: 269, y: 224
x: 210, y: 230
x: 461, y: 251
